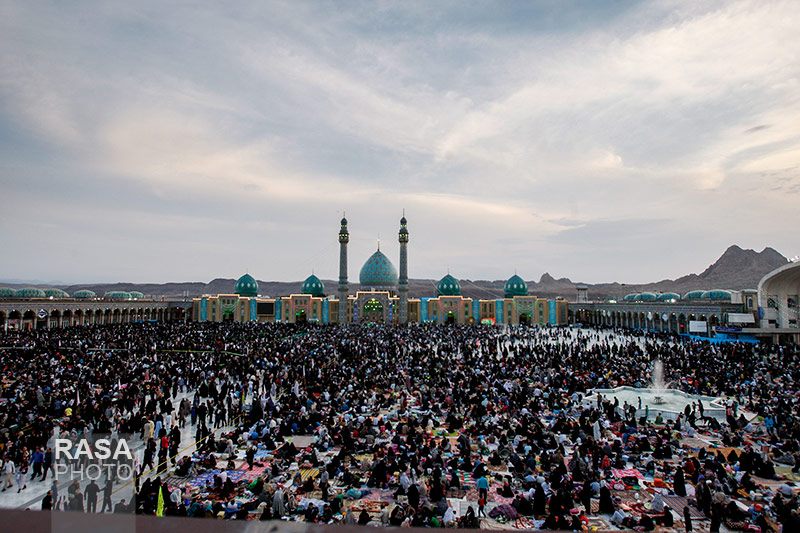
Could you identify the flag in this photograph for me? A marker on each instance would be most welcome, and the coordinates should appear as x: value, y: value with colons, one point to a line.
x: 160, y: 508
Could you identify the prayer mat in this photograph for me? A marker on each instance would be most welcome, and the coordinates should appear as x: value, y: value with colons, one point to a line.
x: 677, y: 503
x: 306, y: 473
x: 386, y: 496
x: 465, y: 478
x: 786, y: 472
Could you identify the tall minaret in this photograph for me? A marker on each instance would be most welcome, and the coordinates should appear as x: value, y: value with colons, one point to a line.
x: 344, y: 238
x: 403, y: 281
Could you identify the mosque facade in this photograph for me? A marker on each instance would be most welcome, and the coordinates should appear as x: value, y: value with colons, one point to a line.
x: 382, y: 298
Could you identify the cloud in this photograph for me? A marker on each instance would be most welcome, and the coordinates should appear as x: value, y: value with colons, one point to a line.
x: 536, y: 134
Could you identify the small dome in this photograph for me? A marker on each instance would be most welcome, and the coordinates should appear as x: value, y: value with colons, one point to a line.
x: 55, y: 293
x: 246, y: 286
x: 313, y: 286
x: 84, y: 294
x: 694, y: 295
x: 344, y: 221
x: 29, y: 292
x: 378, y: 272
x: 448, y: 286
x: 117, y: 295
x: 632, y: 297
x: 515, y: 286
x: 667, y: 296
x: 136, y: 295
x: 648, y: 297
x: 6, y: 292
x: 403, y: 221
x: 719, y: 294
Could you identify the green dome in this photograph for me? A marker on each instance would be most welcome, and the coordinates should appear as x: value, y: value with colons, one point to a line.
x: 515, y: 286
x: 632, y: 297
x: 6, y: 292
x: 84, y: 294
x: 313, y: 286
x: 55, y: 293
x: 246, y: 286
x: 378, y: 272
x: 448, y: 286
x: 667, y: 296
x: 117, y: 295
x: 29, y: 292
x: 136, y: 295
x: 718, y: 294
x: 648, y: 297
x: 694, y: 295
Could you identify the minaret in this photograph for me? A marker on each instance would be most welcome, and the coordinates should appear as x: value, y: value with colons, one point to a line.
x: 344, y: 238
x: 403, y: 281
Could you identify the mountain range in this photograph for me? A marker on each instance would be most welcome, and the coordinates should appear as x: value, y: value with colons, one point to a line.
x: 736, y: 269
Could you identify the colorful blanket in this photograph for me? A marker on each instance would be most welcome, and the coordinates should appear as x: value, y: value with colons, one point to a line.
x: 628, y: 472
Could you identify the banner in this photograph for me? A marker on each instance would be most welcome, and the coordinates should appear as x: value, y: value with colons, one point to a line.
x: 423, y: 309
x: 476, y: 310
x: 203, y: 310
x: 741, y: 318
x: 698, y: 326
x: 499, y: 311
x: 253, y: 310
x: 552, y: 306
x: 278, y: 310
x: 325, y: 311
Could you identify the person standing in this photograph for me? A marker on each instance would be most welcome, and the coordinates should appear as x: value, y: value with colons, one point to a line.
x: 37, y: 460
x: 107, y: 491
x: 48, y: 463
x: 9, y: 469
x: 90, y: 493
x: 22, y: 471
x: 47, y: 501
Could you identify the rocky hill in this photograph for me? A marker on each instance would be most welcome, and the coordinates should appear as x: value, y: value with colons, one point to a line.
x: 735, y: 269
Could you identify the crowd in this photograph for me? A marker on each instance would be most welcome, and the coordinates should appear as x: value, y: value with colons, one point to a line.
x: 423, y: 413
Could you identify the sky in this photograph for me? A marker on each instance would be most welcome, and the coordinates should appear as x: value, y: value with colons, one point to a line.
x: 597, y: 140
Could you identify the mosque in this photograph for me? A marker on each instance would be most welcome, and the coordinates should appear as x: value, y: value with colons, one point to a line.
x: 382, y: 298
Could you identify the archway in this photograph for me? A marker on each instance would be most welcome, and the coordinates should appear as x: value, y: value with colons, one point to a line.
x: 373, y: 311
x: 450, y: 318
x: 300, y: 316
x: 525, y: 319
x: 227, y: 315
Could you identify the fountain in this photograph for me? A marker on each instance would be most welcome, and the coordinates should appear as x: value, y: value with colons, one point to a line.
x: 659, y: 398
x: 657, y: 382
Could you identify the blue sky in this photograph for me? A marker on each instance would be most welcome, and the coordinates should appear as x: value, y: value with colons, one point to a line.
x: 628, y: 141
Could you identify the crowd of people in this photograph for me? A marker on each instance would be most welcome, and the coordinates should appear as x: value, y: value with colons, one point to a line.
x: 408, y: 411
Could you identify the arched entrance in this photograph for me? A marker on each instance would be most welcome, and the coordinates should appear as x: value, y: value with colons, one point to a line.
x: 525, y: 319
x: 227, y: 316
x: 450, y: 318
x: 300, y: 317
x: 373, y: 311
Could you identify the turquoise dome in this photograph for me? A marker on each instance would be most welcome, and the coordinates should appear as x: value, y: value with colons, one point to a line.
x: 55, y: 293
x: 694, y: 295
x: 667, y: 296
x: 6, y: 292
x: 84, y: 294
x: 632, y: 297
x: 648, y: 297
x: 29, y: 292
x: 515, y: 286
x: 246, y: 286
x: 448, y: 286
x: 378, y: 272
x: 117, y: 295
x: 719, y: 294
x: 313, y: 286
x: 136, y: 295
